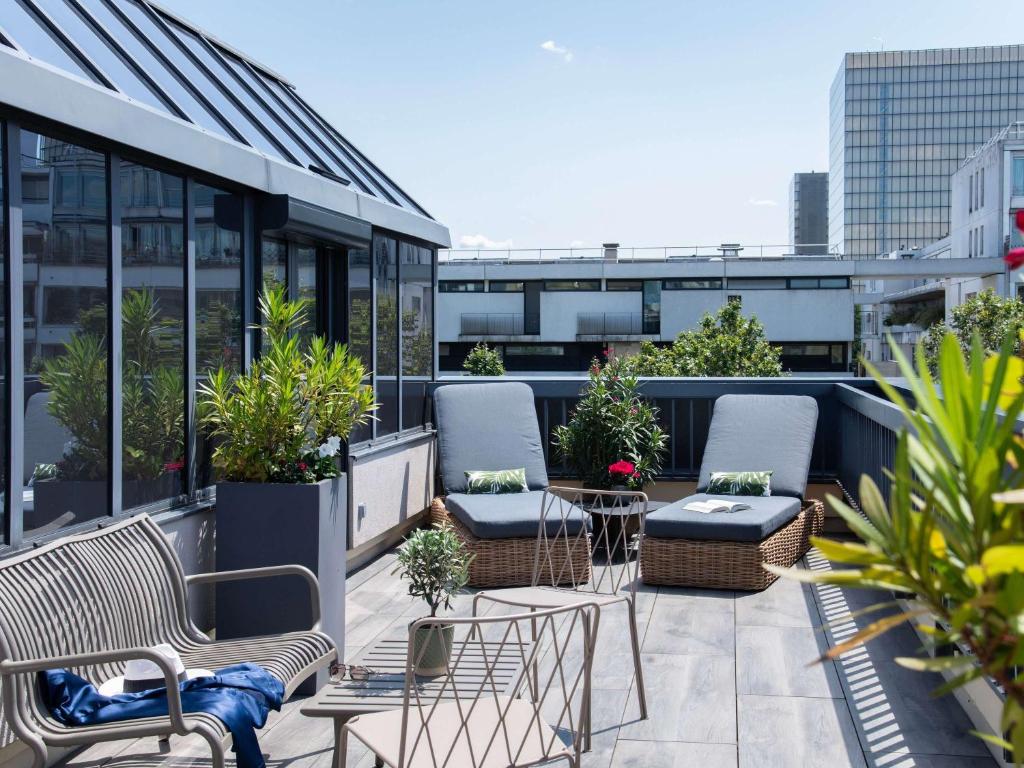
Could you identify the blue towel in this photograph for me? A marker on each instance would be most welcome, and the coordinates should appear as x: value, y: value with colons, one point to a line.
x: 240, y: 696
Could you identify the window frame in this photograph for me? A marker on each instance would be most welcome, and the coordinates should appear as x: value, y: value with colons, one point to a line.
x: 575, y: 288
x: 444, y: 286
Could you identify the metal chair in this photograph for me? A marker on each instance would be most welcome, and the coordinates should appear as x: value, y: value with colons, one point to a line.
x: 614, y: 522
x: 466, y: 718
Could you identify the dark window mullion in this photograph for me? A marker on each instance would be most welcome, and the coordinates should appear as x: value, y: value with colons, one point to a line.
x: 64, y: 39
x: 14, y: 319
x: 227, y: 92
x: 356, y: 177
x: 187, y: 84
x: 360, y: 157
x: 341, y: 144
x: 101, y: 31
x: 216, y: 54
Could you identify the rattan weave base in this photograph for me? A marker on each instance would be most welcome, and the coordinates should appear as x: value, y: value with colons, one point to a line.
x: 510, y: 562
x: 730, y: 564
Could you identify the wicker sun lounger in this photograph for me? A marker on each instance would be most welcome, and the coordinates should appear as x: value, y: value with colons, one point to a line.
x: 728, y: 550
x: 490, y: 427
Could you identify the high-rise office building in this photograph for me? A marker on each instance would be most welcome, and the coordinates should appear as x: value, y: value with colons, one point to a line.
x: 808, y: 213
x: 900, y: 123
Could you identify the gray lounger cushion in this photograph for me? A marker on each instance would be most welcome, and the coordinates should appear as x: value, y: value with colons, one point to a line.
x: 756, y: 432
x: 488, y: 426
x: 766, y: 515
x: 509, y: 515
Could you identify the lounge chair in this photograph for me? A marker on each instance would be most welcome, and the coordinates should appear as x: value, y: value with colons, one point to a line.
x: 728, y: 550
x: 491, y: 427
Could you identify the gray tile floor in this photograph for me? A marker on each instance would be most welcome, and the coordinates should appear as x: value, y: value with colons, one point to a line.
x: 729, y: 683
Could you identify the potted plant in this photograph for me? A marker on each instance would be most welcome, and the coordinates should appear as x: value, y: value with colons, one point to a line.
x: 436, y: 565
x: 277, y: 432
x: 612, y: 427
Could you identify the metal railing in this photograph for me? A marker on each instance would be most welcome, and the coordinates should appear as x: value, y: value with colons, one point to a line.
x: 609, y: 324
x: 726, y: 252
x: 491, y: 324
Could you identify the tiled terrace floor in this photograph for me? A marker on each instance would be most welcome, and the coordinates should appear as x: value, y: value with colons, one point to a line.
x: 728, y: 685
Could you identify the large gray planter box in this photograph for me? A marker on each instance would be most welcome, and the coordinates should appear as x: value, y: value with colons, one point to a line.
x: 264, y: 524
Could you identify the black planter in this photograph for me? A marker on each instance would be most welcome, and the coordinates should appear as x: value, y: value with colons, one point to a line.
x: 265, y: 524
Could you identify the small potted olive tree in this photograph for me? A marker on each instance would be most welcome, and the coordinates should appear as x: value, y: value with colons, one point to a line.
x: 436, y: 565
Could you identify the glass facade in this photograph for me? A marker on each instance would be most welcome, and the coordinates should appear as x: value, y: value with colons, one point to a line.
x: 159, y: 60
x: 385, y: 374
x: 1018, y: 176
x: 360, y: 322
x: 65, y: 258
x: 416, y: 280
x: 152, y: 335
x: 4, y: 337
x: 900, y: 123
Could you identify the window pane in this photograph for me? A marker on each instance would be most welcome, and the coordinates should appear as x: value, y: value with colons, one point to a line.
x: 274, y: 263
x: 624, y: 285
x: 152, y: 333
x: 417, y: 331
x: 3, y: 356
x: 360, y: 303
x: 305, y: 286
x: 572, y: 285
x: 461, y: 286
x: 218, y: 293
x: 1018, y: 175
x: 65, y: 246
x: 29, y: 33
x: 692, y: 284
x: 94, y: 46
x: 385, y: 260
x: 802, y: 282
x: 834, y: 282
x: 505, y: 286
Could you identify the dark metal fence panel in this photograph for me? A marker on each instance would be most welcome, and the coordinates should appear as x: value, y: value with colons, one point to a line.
x: 868, y: 429
x: 609, y: 324
x: 686, y: 407
x: 491, y: 324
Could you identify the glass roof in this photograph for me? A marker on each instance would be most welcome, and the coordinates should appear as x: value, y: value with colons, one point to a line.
x: 144, y: 52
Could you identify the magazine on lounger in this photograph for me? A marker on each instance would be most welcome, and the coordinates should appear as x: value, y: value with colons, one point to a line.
x: 715, y: 505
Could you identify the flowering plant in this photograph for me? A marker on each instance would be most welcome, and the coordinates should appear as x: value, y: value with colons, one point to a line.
x: 283, y: 421
x: 612, y: 428
x: 1015, y: 256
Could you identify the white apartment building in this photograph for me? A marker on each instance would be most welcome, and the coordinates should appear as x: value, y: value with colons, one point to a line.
x: 556, y: 310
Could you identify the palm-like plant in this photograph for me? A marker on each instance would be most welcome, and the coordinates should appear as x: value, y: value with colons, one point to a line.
x: 283, y: 420
x: 952, y: 533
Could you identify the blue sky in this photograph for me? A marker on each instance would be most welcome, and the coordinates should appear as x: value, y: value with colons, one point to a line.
x: 548, y: 124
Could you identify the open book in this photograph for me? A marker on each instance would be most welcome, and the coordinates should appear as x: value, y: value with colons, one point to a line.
x: 715, y: 505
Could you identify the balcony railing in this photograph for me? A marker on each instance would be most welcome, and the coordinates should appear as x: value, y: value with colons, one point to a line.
x: 609, y: 324
x: 491, y: 325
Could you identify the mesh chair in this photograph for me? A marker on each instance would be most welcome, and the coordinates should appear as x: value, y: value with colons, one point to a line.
x: 615, y: 521
x: 465, y: 719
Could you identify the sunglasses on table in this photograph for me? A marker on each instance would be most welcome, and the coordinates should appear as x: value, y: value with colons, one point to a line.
x: 354, y: 672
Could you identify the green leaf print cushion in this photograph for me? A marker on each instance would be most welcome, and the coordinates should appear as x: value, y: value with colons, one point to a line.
x: 740, y: 483
x: 496, y: 481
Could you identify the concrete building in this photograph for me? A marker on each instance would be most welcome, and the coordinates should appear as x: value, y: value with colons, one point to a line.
x: 986, y: 192
x: 900, y: 123
x: 549, y: 312
x: 808, y: 213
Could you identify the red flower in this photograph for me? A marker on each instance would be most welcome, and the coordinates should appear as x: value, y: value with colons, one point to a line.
x: 1015, y: 258
x: 635, y: 475
x: 621, y: 467
x: 174, y: 466
x: 1019, y: 216
x: 302, y: 466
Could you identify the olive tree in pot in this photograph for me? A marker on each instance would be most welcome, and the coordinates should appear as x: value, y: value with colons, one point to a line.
x: 436, y: 565
x: 277, y: 431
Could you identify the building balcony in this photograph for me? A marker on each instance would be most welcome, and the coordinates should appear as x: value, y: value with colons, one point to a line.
x: 609, y: 326
x: 491, y: 325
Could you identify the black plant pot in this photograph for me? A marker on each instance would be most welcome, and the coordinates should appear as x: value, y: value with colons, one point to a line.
x: 267, y: 524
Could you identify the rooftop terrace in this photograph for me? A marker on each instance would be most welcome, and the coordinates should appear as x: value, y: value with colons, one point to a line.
x: 729, y: 680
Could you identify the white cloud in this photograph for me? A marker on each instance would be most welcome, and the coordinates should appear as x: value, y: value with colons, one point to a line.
x: 482, y: 241
x: 762, y: 203
x: 559, y: 50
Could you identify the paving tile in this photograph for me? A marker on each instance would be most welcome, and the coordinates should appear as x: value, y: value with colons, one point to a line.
x: 790, y: 732
x: 682, y: 629
x: 723, y: 600
x: 785, y: 603
x: 779, y: 661
x: 906, y: 760
x: 689, y: 698
x: 668, y: 754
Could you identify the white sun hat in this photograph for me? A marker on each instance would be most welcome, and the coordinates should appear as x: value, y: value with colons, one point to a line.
x: 143, y: 674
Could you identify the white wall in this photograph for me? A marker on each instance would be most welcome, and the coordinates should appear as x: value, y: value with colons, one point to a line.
x: 451, y: 307
x: 558, y: 309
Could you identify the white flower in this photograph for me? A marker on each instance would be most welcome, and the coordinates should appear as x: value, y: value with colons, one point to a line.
x: 70, y: 446
x: 330, y: 447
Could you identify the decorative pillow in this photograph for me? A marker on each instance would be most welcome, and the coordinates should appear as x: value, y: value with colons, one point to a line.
x: 496, y: 481
x: 740, y: 483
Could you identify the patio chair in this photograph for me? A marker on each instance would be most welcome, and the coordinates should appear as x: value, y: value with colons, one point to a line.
x: 92, y: 602
x: 616, y: 520
x: 728, y: 550
x: 493, y: 427
x: 464, y: 718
